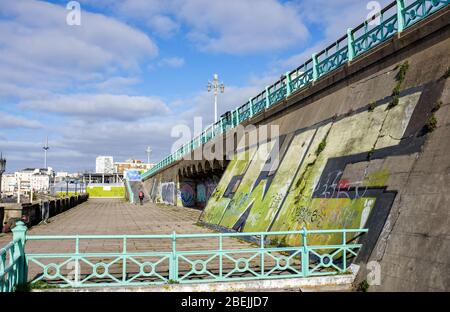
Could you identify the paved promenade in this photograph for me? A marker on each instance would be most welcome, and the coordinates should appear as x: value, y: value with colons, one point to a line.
x: 98, y: 216
x: 103, y: 216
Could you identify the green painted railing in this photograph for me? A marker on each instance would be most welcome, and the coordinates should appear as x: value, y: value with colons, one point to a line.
x: 13, y: 268
x: 177, y: 258
x: 393, y: 19
x: 130, y: 191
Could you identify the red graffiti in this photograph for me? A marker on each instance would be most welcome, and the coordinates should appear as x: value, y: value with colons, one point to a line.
x: 343, y: 184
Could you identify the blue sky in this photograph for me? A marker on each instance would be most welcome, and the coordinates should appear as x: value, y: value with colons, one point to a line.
x: 134, y: 69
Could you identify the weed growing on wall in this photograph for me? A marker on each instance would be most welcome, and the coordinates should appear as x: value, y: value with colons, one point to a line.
x: 436, y: 106
x: 431, y: 124
x: 447, y: 73
x: 363, y: 286
x: 321, y: 146
x: 401, y: 75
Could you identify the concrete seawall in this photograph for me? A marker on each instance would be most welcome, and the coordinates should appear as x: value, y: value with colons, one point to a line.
x: 32, y: 212
x: 366, y: 146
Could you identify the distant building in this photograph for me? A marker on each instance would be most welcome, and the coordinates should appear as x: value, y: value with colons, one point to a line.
x: 121, y: 167
x: 34, y: 179
x: 9, y: 183
x: 61, y: 176
x: 40, y: 182
x: 104, y: 164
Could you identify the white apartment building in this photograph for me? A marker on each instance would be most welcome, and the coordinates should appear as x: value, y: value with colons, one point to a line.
x: 9, y: 183
x: 34, y: 179
x: 40, y: 182
x: 104, y: 164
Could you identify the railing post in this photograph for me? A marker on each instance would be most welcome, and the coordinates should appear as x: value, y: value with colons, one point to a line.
x: 262, y: 246
x: 77, y: 261
x: 267, y: 98
x: 350, y: 42
x: 19, y: 233
x: 124, y: 260
x: 344, y: 251
x: 220, y: 255
x: 305, y: 253
x: 400, y: 15
x: 173, y: 268
x: 237, y: 116
x: 315, y: 67
x: 288, y: 84
x: 250, y: 105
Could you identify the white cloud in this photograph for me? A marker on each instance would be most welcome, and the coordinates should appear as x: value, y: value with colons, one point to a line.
x: 11, y: 121
x: 335, y: 17
x: 174, y: 62
x: 163, y: 26
x: 38, y: 48
x: 241, y: 26
x: 232, y: 26
x: 100, y: 106
x: 117, y: 84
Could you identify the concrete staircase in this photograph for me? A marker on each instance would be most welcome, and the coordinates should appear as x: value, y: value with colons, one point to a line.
x: 136, y: 187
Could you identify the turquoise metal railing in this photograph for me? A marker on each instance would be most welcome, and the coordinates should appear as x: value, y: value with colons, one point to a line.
x: 13, y: 270
x: 181, y: 258
x: 130, y: 191
x: 393, y: 19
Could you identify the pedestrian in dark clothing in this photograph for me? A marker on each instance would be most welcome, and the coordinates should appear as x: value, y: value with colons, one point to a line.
x: 141, y: 197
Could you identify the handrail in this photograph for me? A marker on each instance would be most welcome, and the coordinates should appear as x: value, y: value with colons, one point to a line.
x: 196, y: 235
x: 12, y: 260
x: 394, y: 18
x: 193, y: 262
x: 130, y: 191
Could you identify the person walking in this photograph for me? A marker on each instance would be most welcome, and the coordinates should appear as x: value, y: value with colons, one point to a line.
x: 141, y: 197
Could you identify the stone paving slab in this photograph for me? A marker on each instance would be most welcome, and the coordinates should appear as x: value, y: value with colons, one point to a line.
x: 101, y: 216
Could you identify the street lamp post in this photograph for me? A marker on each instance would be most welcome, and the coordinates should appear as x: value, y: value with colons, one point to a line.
x: 2, y: 170
x: 149, y: 153
x: 216, y: 87
x: 45, y: 148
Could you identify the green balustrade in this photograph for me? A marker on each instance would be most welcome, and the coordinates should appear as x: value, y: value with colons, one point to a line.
x: 130, y: 191
x: 168, y: 258
x: 394, y: 18
x: 13, y: 267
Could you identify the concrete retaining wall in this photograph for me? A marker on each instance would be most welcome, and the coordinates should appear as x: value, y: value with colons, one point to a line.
x: 33, y: 212
x: 362, y: 147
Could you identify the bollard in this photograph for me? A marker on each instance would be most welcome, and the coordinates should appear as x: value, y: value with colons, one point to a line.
x: 19, y: 234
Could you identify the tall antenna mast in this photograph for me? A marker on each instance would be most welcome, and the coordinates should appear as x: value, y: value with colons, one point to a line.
x: 149, y: 152
x: 46, y: 148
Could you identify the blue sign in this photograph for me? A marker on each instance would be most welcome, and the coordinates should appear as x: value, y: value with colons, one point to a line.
x: 133, y: 175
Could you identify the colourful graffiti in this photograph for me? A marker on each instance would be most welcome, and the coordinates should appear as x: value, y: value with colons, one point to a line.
x: 187, y: 193
x: 324, y: 180
x: 196, y: 192
x: 168, y: 193
x: 133, y: 175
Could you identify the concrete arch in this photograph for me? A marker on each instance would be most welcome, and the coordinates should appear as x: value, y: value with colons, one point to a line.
x: 216, y: 165
x: 208, y: 167
x: 200, y: 168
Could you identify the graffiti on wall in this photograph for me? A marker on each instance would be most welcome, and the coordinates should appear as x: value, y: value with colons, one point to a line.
x: 329, y: 175
x: 133, y: 175
x: 187, y: 193
x: 196, y: 192
x: 168, y: 193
